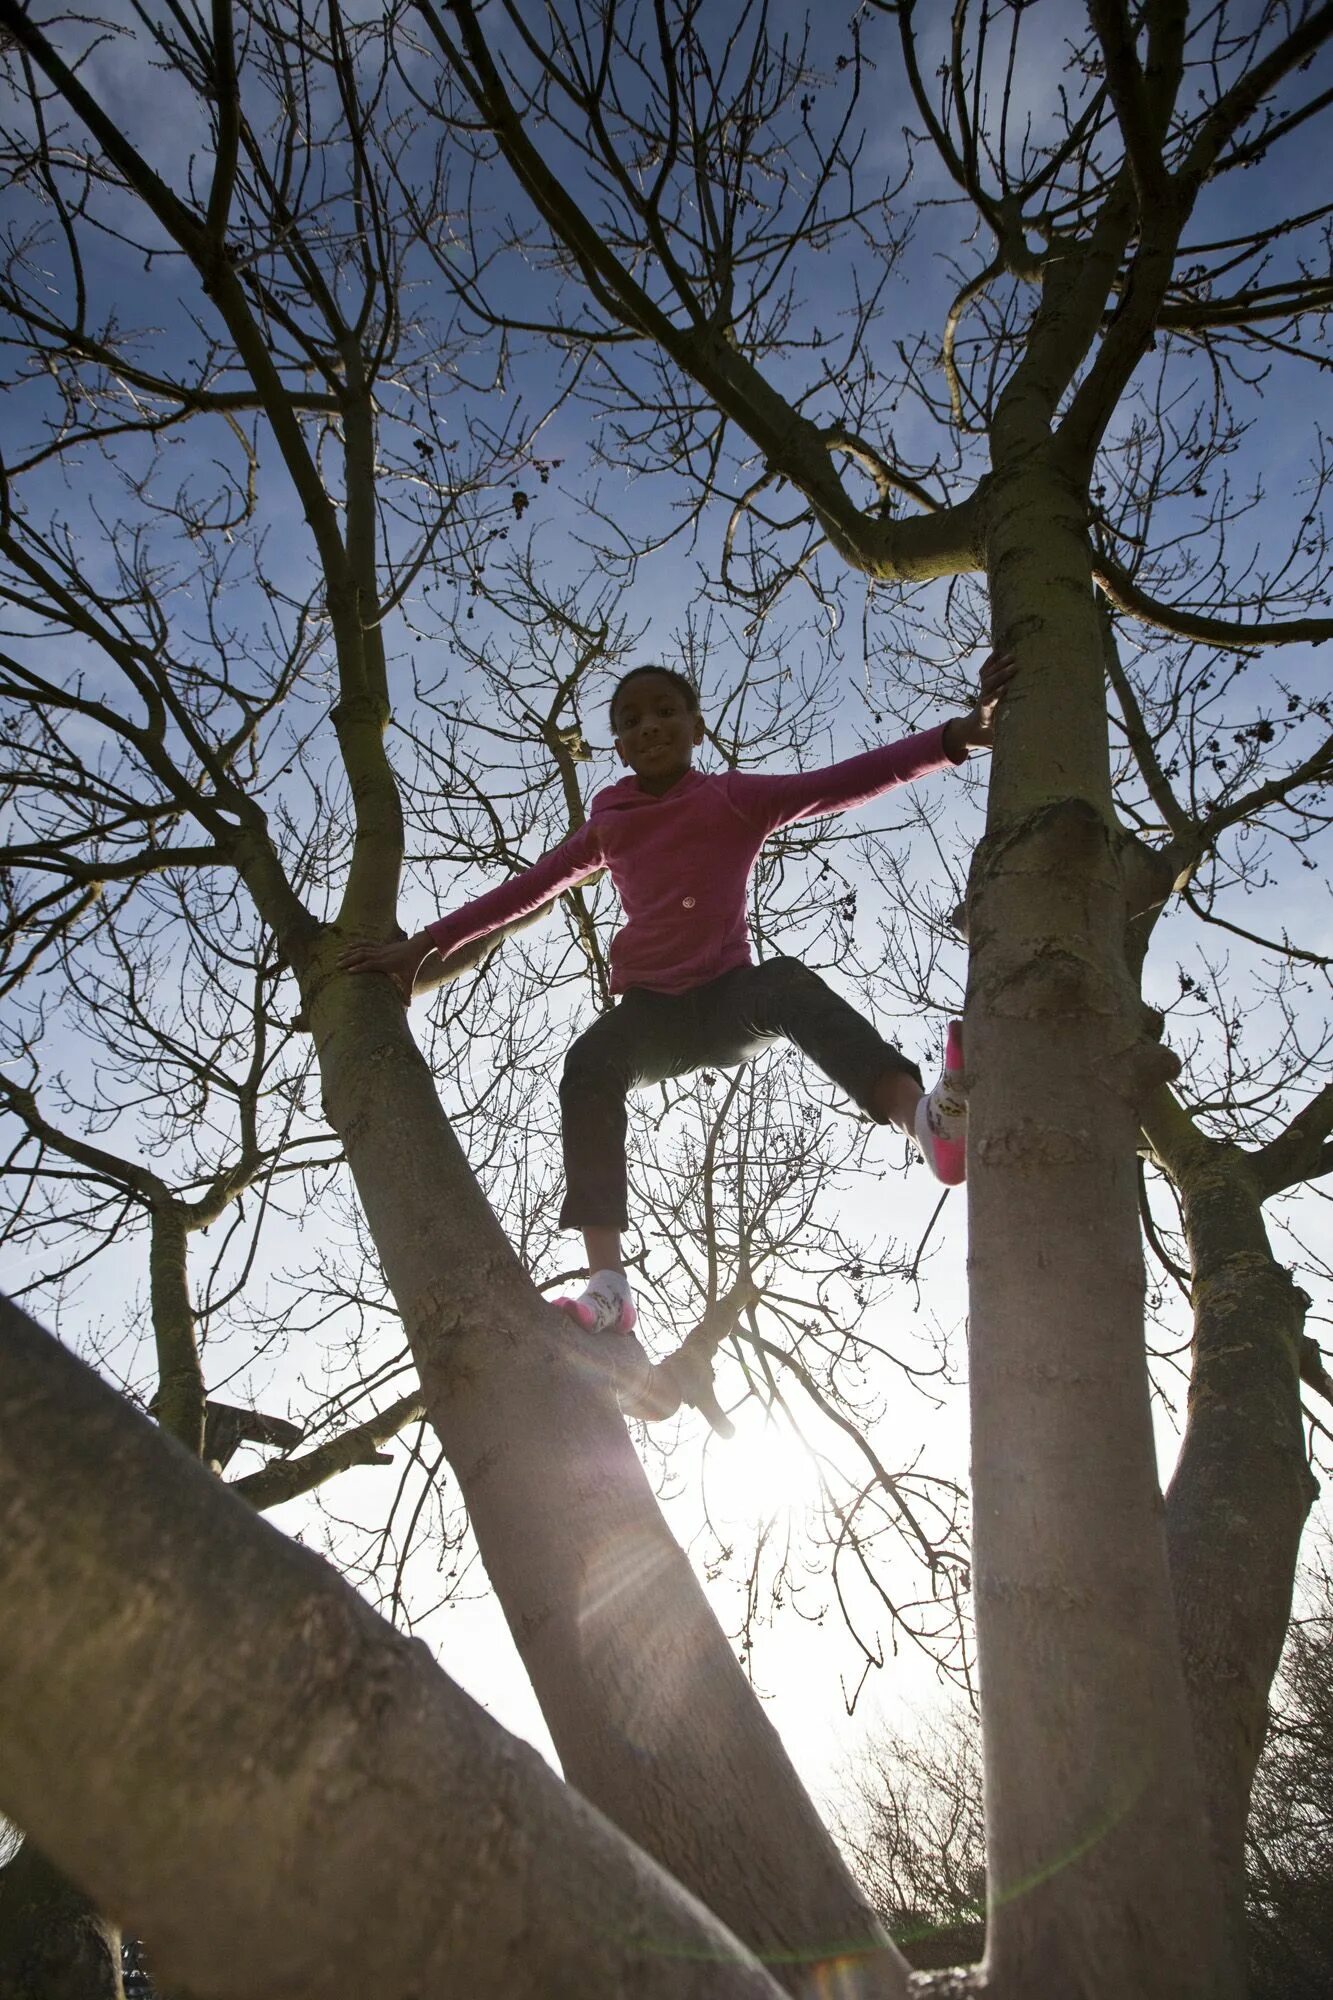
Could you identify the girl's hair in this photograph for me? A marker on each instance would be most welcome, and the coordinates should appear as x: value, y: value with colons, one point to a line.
x: 687, y: 687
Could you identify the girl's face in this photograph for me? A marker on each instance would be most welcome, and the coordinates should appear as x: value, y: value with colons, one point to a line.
x: 656, y: 731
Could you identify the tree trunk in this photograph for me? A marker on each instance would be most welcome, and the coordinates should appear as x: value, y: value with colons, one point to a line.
x: 650, y: 1713
x: 256, y: 1771
x: 53, y: 1944
x: 1242, y: 1487
x: 180, y: 1375
x: 49, y: 1924
x: 1101, y: 1883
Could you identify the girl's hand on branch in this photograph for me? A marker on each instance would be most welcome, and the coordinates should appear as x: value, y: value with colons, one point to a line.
x: 401, y: 961
x: 976, y: 729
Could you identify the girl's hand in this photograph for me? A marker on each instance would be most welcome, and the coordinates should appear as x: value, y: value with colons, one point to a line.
x: 976, y: 729
x: 401, y: 961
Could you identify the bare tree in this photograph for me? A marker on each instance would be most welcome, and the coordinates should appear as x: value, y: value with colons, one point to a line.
x: 1107, y: 318
x: 912, y: 1820
x: 1090, y: 352
x: 1290, y: 1842
x: 159, y: 1042
x: 283, y: 270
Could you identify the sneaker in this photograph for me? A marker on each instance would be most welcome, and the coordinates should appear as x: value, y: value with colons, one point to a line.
x: 941, y: 1116
x: 600, y: 1309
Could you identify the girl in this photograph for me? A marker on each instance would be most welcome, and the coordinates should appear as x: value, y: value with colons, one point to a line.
x: 680, y: 847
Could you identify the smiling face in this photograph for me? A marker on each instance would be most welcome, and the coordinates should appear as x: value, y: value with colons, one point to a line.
x: 656, y: 731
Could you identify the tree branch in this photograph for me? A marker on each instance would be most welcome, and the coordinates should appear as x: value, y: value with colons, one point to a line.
x: 1264, y: 302
x: 1184, y: 851
x: 916, y: 549
x: 654, y: 1391
x: 1249, y: 90
x: 1142, y: 121
x: 1298, y: 1154
x: 1140, y: 737
x: 1127, y: 595
x: 284, y: 1479
x: 147, y: 1187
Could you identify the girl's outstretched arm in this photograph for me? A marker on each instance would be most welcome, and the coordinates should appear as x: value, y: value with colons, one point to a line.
x: 525, y: 893
x: 774, y: 801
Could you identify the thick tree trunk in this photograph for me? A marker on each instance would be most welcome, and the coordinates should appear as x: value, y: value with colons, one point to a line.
x: 1242, y: 1487
x: 1101, y: 1885
x: 53, y: 1944
x: 258, y: 1773
x: 651, y: 1715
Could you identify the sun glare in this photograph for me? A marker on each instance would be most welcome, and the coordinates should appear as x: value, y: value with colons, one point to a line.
x: 761, y: 1473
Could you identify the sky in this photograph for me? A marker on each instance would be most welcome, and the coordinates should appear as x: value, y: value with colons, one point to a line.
x: 803, y: 1665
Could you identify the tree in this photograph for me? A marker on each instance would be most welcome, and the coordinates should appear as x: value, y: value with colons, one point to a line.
x: 78, y: 1198
x: 1059, y: 443
x: 280, y: 1816
x: 298, y: 257
x: 1291, y: 1826
x: 676, y: 169
x: 913, y: 1822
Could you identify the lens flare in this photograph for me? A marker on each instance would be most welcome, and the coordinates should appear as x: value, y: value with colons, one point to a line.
x: 762, y: 1474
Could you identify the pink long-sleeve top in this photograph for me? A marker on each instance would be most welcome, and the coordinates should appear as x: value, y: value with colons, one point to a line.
x: 681, y: 861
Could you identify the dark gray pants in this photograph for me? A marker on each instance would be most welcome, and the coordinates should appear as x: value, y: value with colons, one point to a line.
x: 649, y: 1036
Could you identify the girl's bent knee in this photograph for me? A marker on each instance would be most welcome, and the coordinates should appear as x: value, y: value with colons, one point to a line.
x: 586, y: 1074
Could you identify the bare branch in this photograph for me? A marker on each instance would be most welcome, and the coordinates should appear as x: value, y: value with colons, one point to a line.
x: 1204, y: 627
x: 284, y: 1479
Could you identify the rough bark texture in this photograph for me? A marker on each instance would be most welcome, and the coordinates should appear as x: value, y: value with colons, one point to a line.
x: 239, y: 1757
x: 651, y: 1715
x: 53, y: 1944
x: 1232, y: 1565
x: 1079, y: 1663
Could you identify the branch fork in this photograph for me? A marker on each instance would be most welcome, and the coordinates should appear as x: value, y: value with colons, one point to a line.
x: 655, y: 1390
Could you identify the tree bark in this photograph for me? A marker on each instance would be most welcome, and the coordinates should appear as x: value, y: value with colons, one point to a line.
x: 256, y: 1771
x: 1242, y: 1488
x: 1093, y: 1802
x: 53, y: 1944
x: 650, y: 1712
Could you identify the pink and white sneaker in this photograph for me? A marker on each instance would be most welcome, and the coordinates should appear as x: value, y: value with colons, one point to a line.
x: 604, y: 1306
x: 941, y: 1116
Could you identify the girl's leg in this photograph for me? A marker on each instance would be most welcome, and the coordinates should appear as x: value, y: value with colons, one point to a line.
x: 637, y: 1042
x: 601, y: 1068
x: 894, y: 1098
x: 602, y: 1248
x: 936, y: 1121
x: 782, y: 997
x: 592, y: 1124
